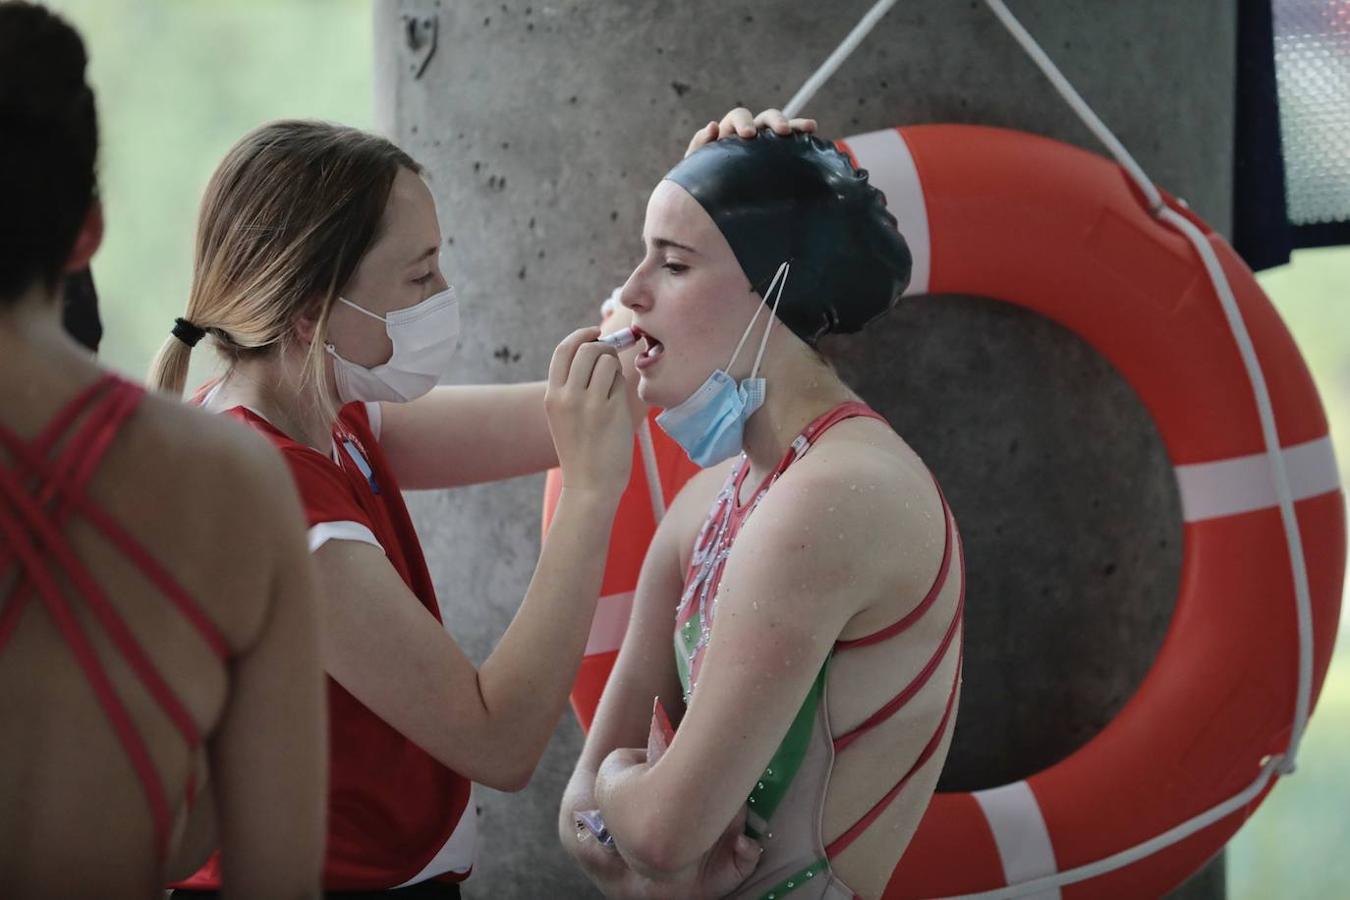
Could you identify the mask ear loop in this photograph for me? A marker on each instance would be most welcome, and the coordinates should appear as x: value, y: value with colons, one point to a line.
x: 759, y: 357
x: 328, y: 345
x: 781, y: 273
x: 363, y: 310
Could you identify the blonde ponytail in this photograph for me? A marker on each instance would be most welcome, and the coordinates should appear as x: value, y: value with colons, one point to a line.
x: 168, y: 373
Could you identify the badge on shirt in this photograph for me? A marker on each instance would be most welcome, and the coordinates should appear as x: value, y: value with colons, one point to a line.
x: 357, y: 457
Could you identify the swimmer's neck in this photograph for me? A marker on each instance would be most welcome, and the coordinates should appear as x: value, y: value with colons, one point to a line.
x: 35, y: 314
x: 33, y: 337
x: 799, y: 389
x: 274, y: 387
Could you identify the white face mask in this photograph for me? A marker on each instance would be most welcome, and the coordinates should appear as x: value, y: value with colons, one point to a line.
x: 424, y: 338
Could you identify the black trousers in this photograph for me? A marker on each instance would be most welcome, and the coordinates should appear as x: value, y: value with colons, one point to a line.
x: 427, y: 890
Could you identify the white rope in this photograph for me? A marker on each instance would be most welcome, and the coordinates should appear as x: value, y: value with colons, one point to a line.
x: 652, y: 471
x: 644, y: 432
x: 836, y: 59
x: 1138, y: 851
x: 1079, y: 105
x: 1292, y: 534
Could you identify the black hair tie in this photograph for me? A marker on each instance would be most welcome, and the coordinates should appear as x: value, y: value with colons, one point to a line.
x: 188, y: 333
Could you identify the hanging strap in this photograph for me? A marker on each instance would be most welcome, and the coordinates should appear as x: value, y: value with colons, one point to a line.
x: 836, y: 59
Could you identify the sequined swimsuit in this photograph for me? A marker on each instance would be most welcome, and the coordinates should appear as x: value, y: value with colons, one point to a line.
x: 786, y: 803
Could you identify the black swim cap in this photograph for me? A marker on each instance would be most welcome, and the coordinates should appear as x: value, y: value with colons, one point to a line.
x: 800, y: 199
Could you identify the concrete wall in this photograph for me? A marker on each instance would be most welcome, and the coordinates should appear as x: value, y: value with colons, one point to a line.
x: 545, y: 125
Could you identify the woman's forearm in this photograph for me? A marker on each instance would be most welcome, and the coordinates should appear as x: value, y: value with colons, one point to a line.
x: 427, y: 440
x: 526, y: 680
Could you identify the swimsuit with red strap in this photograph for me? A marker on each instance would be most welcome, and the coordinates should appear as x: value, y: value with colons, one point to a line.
x: 41, y: 491
x: 784, y: 807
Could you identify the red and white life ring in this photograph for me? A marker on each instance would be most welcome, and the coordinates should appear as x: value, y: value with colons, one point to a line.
x: 1031, y: 221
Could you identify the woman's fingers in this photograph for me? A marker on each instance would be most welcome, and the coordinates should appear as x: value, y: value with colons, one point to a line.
x: 565, y: 354
x: 704, y: 135
x: 773, y: 118
x: 584, y: 364
x: 590, y: 426
x: 740, y: 122
x: 781, y: 124
x: 607, y: 370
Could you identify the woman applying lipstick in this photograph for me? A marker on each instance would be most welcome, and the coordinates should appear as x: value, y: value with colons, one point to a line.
x: 327, y: 308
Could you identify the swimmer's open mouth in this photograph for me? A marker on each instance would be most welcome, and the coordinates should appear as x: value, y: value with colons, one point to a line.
x: 649, y: 348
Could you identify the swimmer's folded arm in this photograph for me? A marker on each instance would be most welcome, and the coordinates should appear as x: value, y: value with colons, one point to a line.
x: 789, y: 588
x: 645, y: 669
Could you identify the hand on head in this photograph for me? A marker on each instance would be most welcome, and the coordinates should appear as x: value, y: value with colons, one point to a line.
x: 740, y: 122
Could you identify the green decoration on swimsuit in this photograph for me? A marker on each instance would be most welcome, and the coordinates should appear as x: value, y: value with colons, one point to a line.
x: 773, y: 785
x: 686, y: 648
x: 790, y: 884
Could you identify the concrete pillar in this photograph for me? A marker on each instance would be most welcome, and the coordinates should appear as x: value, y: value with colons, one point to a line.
x: 545, y: 125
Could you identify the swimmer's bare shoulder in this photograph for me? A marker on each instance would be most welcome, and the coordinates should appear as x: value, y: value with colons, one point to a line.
x: 223, y: 499
x: 863, y: 504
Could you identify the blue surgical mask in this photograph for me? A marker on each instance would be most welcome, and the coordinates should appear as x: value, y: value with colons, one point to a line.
x: 710, y: 425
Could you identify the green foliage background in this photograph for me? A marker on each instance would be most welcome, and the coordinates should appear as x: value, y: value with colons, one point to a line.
x: 179, y: 82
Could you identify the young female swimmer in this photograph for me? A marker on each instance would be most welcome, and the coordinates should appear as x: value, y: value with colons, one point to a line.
x: 812, y: 575
x: 317, y: 275
x: 158, y: 623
